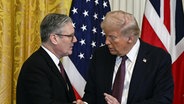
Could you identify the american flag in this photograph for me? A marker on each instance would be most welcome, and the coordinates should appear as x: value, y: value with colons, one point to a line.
x: 163, y: 26
x: 87, y: 16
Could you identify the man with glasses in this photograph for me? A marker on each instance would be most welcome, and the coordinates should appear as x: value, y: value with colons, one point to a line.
x: 144, y: 71
x: 41, y: 80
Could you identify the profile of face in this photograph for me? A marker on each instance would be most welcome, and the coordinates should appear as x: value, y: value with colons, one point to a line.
x: 119, y: 28
x: 65, y: 40
x: 116, y: 42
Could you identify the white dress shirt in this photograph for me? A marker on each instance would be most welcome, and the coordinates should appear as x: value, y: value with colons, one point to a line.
x: 129, y: 66
x: 53, y: 57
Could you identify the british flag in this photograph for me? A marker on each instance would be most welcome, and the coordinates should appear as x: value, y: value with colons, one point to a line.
x: 163, y: 26
x: 87, y: 16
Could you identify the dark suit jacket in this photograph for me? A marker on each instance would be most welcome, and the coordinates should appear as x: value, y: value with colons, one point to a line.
x: 151, y: 81
x: 40, y: 82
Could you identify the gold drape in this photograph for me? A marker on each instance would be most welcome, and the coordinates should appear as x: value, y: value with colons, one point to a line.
x: 19, y: 37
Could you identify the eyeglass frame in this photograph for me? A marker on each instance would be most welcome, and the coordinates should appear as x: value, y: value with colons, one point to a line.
x: 69, y: 36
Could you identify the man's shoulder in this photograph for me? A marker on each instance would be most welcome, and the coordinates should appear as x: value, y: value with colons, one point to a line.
x: 152, y: 48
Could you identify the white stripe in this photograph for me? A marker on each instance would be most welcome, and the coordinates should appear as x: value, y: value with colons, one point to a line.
x: 75, y: 77
x: 161, y: 31
x: 157, y: 25
x: 162, y: 10
x: 177, y: 50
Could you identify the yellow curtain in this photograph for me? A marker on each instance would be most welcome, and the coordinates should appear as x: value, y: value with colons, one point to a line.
x: 20, y: 37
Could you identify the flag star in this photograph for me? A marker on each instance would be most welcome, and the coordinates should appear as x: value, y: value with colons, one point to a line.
x: 96, y: 2
x: 85, y: 13
x: 103, y: 17
x: 91, y: 56
x: 83, y: 27
x: 95, y: 16
x: 94, y: 30
x: 93, y: 44
x: 87, y: 16
x: 82, y: 42
x: 102, y: 33
x: 102, y: 45
x: 81, y: 55
x: 104, y: 4
x: 73, y: 24
x: 74, y: 10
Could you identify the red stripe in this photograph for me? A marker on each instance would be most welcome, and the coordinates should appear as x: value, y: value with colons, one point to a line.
x: 149, y: 35
x: 167, y: 16
x: 77, y: 96
x: 178, y: 76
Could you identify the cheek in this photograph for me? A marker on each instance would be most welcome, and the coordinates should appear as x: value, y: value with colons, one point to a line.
x: 66, y: 47
x: 120, y: 47
x: 63, y: 46
x: 117, y: 45
x: 64, y: 43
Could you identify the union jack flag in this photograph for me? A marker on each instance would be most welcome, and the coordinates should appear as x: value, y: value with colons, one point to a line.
x: 163, y: 26
x: 87, y: 16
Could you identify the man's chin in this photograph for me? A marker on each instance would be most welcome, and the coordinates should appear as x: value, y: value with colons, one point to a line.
x: 112, y: 52
x: 69, y: 53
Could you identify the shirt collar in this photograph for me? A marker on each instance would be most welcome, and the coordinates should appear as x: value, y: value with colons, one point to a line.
x: 53, y: 57
x: 132, y: 54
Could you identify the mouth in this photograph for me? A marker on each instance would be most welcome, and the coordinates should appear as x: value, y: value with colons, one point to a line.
x: 71, y: 46
x: 110, y: 49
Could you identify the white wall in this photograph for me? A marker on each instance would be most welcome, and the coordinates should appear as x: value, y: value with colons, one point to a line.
x: 136, y: 7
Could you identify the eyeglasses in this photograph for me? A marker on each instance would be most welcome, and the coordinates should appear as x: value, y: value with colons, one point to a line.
x: 69, y: 36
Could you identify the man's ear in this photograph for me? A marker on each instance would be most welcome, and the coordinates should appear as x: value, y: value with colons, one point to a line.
x: 53, y: 38
x: 130, y: 39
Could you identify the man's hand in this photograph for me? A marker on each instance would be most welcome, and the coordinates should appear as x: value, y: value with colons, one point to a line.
x: 79, y: 102
x: 110, y: 99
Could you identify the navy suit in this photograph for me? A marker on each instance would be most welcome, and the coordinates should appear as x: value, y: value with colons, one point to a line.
x: 151, y: 81
x: 40, y: 82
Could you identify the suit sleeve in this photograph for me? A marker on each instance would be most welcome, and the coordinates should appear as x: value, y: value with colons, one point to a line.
x: 90, y: 89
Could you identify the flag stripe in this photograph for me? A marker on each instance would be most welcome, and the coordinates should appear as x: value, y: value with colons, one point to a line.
x: 167, y: 14
x: 157, y: 26
x: 155, y: 40
x: 156, y: 4
x: 75, y: 77
x: 178, y: 73
x: 166, y: 30
x: 87, y: 16
x: 179, y: 21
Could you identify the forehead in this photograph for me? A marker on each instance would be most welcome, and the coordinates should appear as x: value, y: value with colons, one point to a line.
x: 68, y: 28
x: 110, y: 27
x: 111, y: 30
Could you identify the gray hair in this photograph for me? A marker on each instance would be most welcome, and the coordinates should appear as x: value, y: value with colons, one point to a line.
x: 121, y: 20
x: 52, y: 23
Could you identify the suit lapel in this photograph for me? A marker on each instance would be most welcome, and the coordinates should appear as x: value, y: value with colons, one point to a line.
x: 139, y: 72
x: 109, y: 69
x: 55, y: 70
x: 51, y: 64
